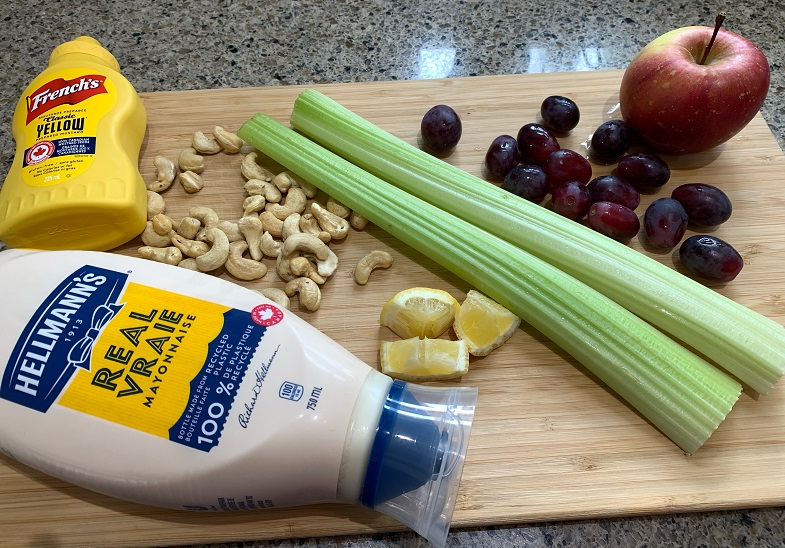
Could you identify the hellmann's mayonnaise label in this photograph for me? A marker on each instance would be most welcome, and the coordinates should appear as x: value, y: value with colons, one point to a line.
x: 149, y: 359
x: 61, y: 125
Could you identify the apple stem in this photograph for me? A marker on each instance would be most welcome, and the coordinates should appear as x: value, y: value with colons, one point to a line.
x: 717, y: 24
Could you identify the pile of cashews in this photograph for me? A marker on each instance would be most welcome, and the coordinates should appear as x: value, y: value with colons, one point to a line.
x: 281, y: 220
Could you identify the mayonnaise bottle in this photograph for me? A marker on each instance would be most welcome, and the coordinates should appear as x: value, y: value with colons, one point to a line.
x: 175, y: 388
x: 74, y: 182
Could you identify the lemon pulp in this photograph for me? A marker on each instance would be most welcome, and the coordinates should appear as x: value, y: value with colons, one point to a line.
x: 416, y: 359
x: 419, y: 312
x: 483, y: 323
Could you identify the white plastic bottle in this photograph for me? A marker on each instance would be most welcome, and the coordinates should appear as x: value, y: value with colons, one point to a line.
x: 173, y: 388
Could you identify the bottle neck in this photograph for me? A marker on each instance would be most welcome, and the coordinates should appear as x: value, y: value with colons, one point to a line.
x: 76, y: 59
x: 360, y: 436
x: 83, y: 50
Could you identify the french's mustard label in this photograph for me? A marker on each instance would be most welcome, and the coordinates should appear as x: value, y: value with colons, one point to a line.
x: 62, y: 124
x: 60, y: 91
x: 156, y: 361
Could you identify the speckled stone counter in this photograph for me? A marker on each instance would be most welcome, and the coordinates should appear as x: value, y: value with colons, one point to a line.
x: 211, y: 44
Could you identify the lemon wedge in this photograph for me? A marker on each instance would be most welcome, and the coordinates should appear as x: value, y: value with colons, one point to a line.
x: 419, y: 312
x: 422, y: 360
x: 483, y: 323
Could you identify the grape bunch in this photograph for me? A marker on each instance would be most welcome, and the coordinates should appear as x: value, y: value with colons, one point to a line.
x: 533, y: 164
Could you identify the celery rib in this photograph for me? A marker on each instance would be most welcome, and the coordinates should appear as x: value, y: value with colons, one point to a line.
x: 746, y: 344
x: 681, y: 394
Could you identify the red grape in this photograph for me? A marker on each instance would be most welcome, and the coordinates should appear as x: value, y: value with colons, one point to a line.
x: 561, y: 114
x: 441, y: 128
x: 571, y: 200
x: 609, y: 188
x: 502, y: 155
x: 536, y: 143
x: 614, y: 220
x: 710, y: 258
x: 665, y: 222
x: 567, y: 165
x: 705, y: 205
x: 610, y: 140
x: 527, y: 181
x: 643, y: 170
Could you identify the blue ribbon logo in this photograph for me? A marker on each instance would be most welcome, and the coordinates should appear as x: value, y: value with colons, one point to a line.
x: 79, y: 355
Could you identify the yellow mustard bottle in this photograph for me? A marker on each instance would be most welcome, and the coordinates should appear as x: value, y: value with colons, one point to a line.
x: 74, y: 182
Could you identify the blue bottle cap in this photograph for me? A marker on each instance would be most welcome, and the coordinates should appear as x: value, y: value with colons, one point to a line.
x: 417, y: 456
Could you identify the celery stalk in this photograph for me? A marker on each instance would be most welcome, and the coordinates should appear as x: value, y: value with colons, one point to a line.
x: 678, y: 392
x: 746, y: 344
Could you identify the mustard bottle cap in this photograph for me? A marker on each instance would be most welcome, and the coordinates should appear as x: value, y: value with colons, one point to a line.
x: 85, y: 45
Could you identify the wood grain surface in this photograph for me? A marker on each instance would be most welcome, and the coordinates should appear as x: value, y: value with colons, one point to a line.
x: 549, y: 442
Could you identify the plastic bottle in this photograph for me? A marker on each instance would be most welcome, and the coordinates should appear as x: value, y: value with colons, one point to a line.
x: 74, y: 182
x: 174, y: 388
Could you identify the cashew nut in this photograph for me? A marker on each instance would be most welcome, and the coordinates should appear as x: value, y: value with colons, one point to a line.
x: 206, y: 215
x: 162, y: 224
x: 305, y: 244
x: 189, y: 227
x: 294, y: 203
x: 309, y: 224
x: 165, y: 174
x: 271, y: 223
x: 189, y: 160
x: 335, y: 225
x: 218, y: 253
x: 327, y: 266
x: 191, y: 181
x: 283, y: 181
x: 357, y: 221
x: 308, y: 292
x: 337, y: 208
x: 189, y: 248
x: 259, y: 187
x: 252, y: 205
x: 301, y: 266
x: 189, y: 263
x: 151, y: 238
x: 270, y: 246
x: 204, y: 145
x: 287, y: 180
x: 291, y: 225
x: 169, y: 255
x: 278, y: 296
x: 228, y: 140
x: 252, y: 230
x: 155, y: 204
x: 231, y: 229
x: 282, y: 267
x: 252, y: 170
x: 373, y: 260
x: 240, y: 267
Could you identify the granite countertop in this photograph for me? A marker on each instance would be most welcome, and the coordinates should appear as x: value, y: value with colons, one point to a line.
x: 199, y: 44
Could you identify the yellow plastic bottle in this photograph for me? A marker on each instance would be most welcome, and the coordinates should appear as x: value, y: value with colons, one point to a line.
x: 74, y: 182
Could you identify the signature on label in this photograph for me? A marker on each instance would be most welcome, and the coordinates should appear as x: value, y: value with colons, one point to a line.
x: 260, y: 375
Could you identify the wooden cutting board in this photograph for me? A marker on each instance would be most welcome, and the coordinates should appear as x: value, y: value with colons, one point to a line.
x: 549, y: 442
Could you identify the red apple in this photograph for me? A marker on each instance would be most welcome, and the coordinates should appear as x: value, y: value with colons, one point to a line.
x: 676, y: 104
